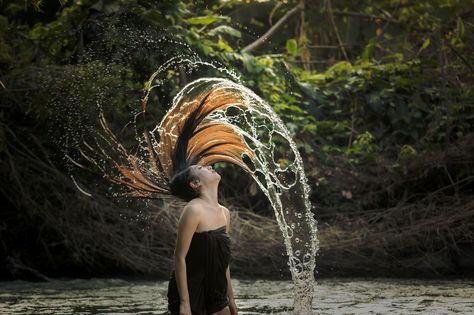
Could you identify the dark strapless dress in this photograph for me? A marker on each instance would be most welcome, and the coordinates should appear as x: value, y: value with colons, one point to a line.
x: 206, y: 264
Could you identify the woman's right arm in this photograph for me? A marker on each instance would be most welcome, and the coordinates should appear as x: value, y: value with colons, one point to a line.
x: 186, y: 227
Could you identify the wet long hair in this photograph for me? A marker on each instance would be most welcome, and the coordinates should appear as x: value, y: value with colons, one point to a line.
x: 187, y: 136
x: 183, y: 174
x: 180, y: 184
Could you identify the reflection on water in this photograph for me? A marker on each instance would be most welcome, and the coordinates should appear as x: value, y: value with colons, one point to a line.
x: 332, y: 296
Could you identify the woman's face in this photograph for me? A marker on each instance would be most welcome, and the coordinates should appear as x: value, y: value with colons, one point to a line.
x: 206, y: 174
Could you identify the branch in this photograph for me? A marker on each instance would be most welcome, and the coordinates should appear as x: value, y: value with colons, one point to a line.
x: 272, y: 30
x: 339, y: 41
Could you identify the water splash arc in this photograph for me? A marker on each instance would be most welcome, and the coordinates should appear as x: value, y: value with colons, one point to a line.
x: 284, y: 184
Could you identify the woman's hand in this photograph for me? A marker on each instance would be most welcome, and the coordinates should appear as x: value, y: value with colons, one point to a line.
x: 232, y: 307
x: 185, y: 309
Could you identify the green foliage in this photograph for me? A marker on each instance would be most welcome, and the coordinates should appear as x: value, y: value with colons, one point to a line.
x: 363, y: 146
x: 391, y: 98
x: 400, y: 94
x: 225, y: 29
x: 407, y: 152
x: 292, y: 47
x: 369, y: 49
x: 204, y: 20
x: 395, y: 101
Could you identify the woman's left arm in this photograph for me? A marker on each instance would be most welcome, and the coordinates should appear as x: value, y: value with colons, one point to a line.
x: 230, y: 294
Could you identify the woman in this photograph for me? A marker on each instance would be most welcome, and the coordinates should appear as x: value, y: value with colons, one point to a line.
x: 200, y: 282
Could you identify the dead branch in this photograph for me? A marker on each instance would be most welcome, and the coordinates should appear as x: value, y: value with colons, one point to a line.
x: 272, y: 30
x: 336, y: 31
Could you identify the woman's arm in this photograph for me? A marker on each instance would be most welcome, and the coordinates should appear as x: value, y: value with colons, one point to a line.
x: 230, y: 291
x: 186, y: 227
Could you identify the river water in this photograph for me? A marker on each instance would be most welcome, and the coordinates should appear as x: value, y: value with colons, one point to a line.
x: 331, y: 296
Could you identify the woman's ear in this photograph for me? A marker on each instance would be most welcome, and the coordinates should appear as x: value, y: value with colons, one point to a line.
x: 195, y: 183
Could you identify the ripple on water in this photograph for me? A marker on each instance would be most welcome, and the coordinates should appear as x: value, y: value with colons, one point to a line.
x: 332, y: 296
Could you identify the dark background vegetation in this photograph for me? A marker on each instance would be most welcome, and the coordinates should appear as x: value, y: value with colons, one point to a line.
x: 378, y: 95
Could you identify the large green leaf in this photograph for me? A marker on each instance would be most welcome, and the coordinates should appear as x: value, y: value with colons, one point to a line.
x: 204, y: 20
x: 292, y: 47
x: 224, y: 29
x: 369, y: 49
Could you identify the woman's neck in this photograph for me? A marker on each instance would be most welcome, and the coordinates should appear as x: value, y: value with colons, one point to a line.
x: 210, y: 196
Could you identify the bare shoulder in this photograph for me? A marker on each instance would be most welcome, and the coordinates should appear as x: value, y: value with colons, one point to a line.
x: 192, y: 210
x: 188, y: 222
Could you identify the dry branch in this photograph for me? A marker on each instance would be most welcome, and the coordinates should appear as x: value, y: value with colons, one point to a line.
x: 272, y: 29
x: 425, y: 234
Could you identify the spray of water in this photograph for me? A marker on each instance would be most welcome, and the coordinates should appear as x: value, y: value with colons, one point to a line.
x: 280, y: 176
x: 275, y: 163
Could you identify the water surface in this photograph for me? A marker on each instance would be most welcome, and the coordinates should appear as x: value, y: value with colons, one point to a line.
x: 331, y: 296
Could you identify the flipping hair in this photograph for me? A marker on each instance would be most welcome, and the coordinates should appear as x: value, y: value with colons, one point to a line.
x: 187, y: 136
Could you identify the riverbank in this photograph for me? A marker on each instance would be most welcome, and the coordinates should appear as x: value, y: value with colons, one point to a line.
x: 124, y: 243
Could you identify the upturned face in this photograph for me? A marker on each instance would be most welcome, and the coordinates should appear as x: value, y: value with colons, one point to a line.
x: 206, y: 174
